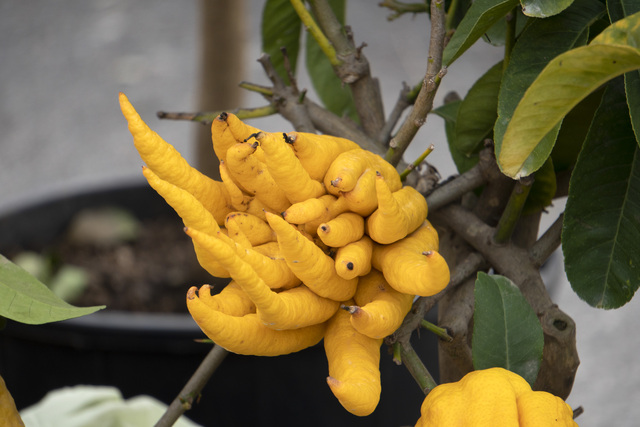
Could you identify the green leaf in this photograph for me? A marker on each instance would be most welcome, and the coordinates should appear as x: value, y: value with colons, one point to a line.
x: 478, y: 111
x: 479, y: 18
x: 544, y: 8
x: 496, y: 35
x: 25, y: 299
x: 600, y: 231
x: 620, y: 9
x: 567, y: 80
x: 506, y: 330
x: 541, y: 41
x: 335, y: 96
x: 281, y: 27
x: 449, y: 112
x: 575, y: 127
x: 543, y: 189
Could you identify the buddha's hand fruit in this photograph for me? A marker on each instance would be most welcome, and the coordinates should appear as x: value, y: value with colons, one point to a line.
x: 493, y: 397
x: 9, y: 415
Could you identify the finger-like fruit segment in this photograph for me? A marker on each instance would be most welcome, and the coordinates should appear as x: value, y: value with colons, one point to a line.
x: 286, y: 169
x: 296, y: 308
x: 398, y: 214
x: 169, y: 165
x: 317, y: 152
x: 380, y: 309
x: 342, y: 230
x: 362, y: 199
x: 193, y: 214
x: 354, y: 365
x: 307, y: 210
x: 354, y: 259
x: 231, y: 300
x: 346, y: 169
x: 256, y: 230
x: 247, y: 334
x: 413, y: 265
x: 309, y: 262
x: 252, y: 175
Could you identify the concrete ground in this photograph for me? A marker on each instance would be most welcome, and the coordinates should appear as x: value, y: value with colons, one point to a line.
x: 63, y: 63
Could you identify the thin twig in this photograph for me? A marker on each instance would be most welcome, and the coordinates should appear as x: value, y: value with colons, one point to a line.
x: 456, y: 188
x: 416, y: 368
x: 206, y: 118
x: 416, y: 162
x: 313, y: 28
x: 512, y: 211
x: 400, y: 8
x: 194, y: 386
x: 547, y: 243
x: 353, y: 69
x: 402, y: 104
x: 433, y: 75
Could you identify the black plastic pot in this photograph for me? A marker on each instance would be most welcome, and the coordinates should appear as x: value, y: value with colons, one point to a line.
x: 155, y: 354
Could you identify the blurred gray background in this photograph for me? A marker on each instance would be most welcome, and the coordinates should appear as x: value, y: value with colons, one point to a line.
x: 63, y: 63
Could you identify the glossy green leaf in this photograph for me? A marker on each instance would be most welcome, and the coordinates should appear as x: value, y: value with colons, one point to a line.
x: 281, y: 27
x: 496, y: 34
x: 620, y: 9
x: 335, y: 96
x: 25, y: 299
x: 552, y: 37
x: 478, y: 111
x: 544, y: 8
x: 543, y: 189
x: 575, y: 127
x: 601, y: 223
x: 567, y: 80
x: 449, y: 112
x: 479, y: 18
x: 506, y: 330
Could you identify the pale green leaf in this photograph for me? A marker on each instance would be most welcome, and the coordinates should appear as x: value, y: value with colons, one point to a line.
x: 544, y: 8
x: 506, y: 330
x: 281, y: 27
x: 479, y: 18
x: 540, y: 42
x: 25, y: 299
x: 601, y: 223
x: 567, y: 80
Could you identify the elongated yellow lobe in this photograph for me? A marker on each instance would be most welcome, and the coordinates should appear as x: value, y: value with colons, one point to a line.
x: 380, y: 309
x: 267, y: 261
x: 346, y: 228
x: 193, y: 214
x: 256, y: 229
x: 346, y: 169
x: 231, y: 300
x: 296, y: 308
x: 354, y: 365
x: 413, y: 265
x: 354, y: 259
x: 243, y: 132
x: 310, y: 263
x: 286, y: 169
x: 305, y: 211
x: 334, y: 207
x: 253, y: 175
x: 398, y: 214
x: 362, y: 199
x: 317, y: 152
x: 169, y: 165
x: 247, y: 334
x: 236, y: 196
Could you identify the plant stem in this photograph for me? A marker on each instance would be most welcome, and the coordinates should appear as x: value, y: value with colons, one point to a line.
x: 451, y: 14
x: 510, y: 38
x: 424, y: 101
x: 400, y: 8
x: 416, y: 162
x: 313, y: 28
x: 512, y: 211
x: 416, y: 368
x: 456, y: 188
x: 254, y: 87
x: 440, y: 332
x: 207, y: 117
x: 194, y: 386
x: 547, y: 243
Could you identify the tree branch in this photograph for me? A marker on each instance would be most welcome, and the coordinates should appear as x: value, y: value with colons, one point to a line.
x: 352, y: 69
x: 433, y: 75
x: 286, y: 99
x: 547, y: 244
x: 194, y: 386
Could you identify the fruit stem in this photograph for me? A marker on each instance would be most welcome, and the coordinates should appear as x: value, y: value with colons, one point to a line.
x: 442, y: 333
x: 416, y: 163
